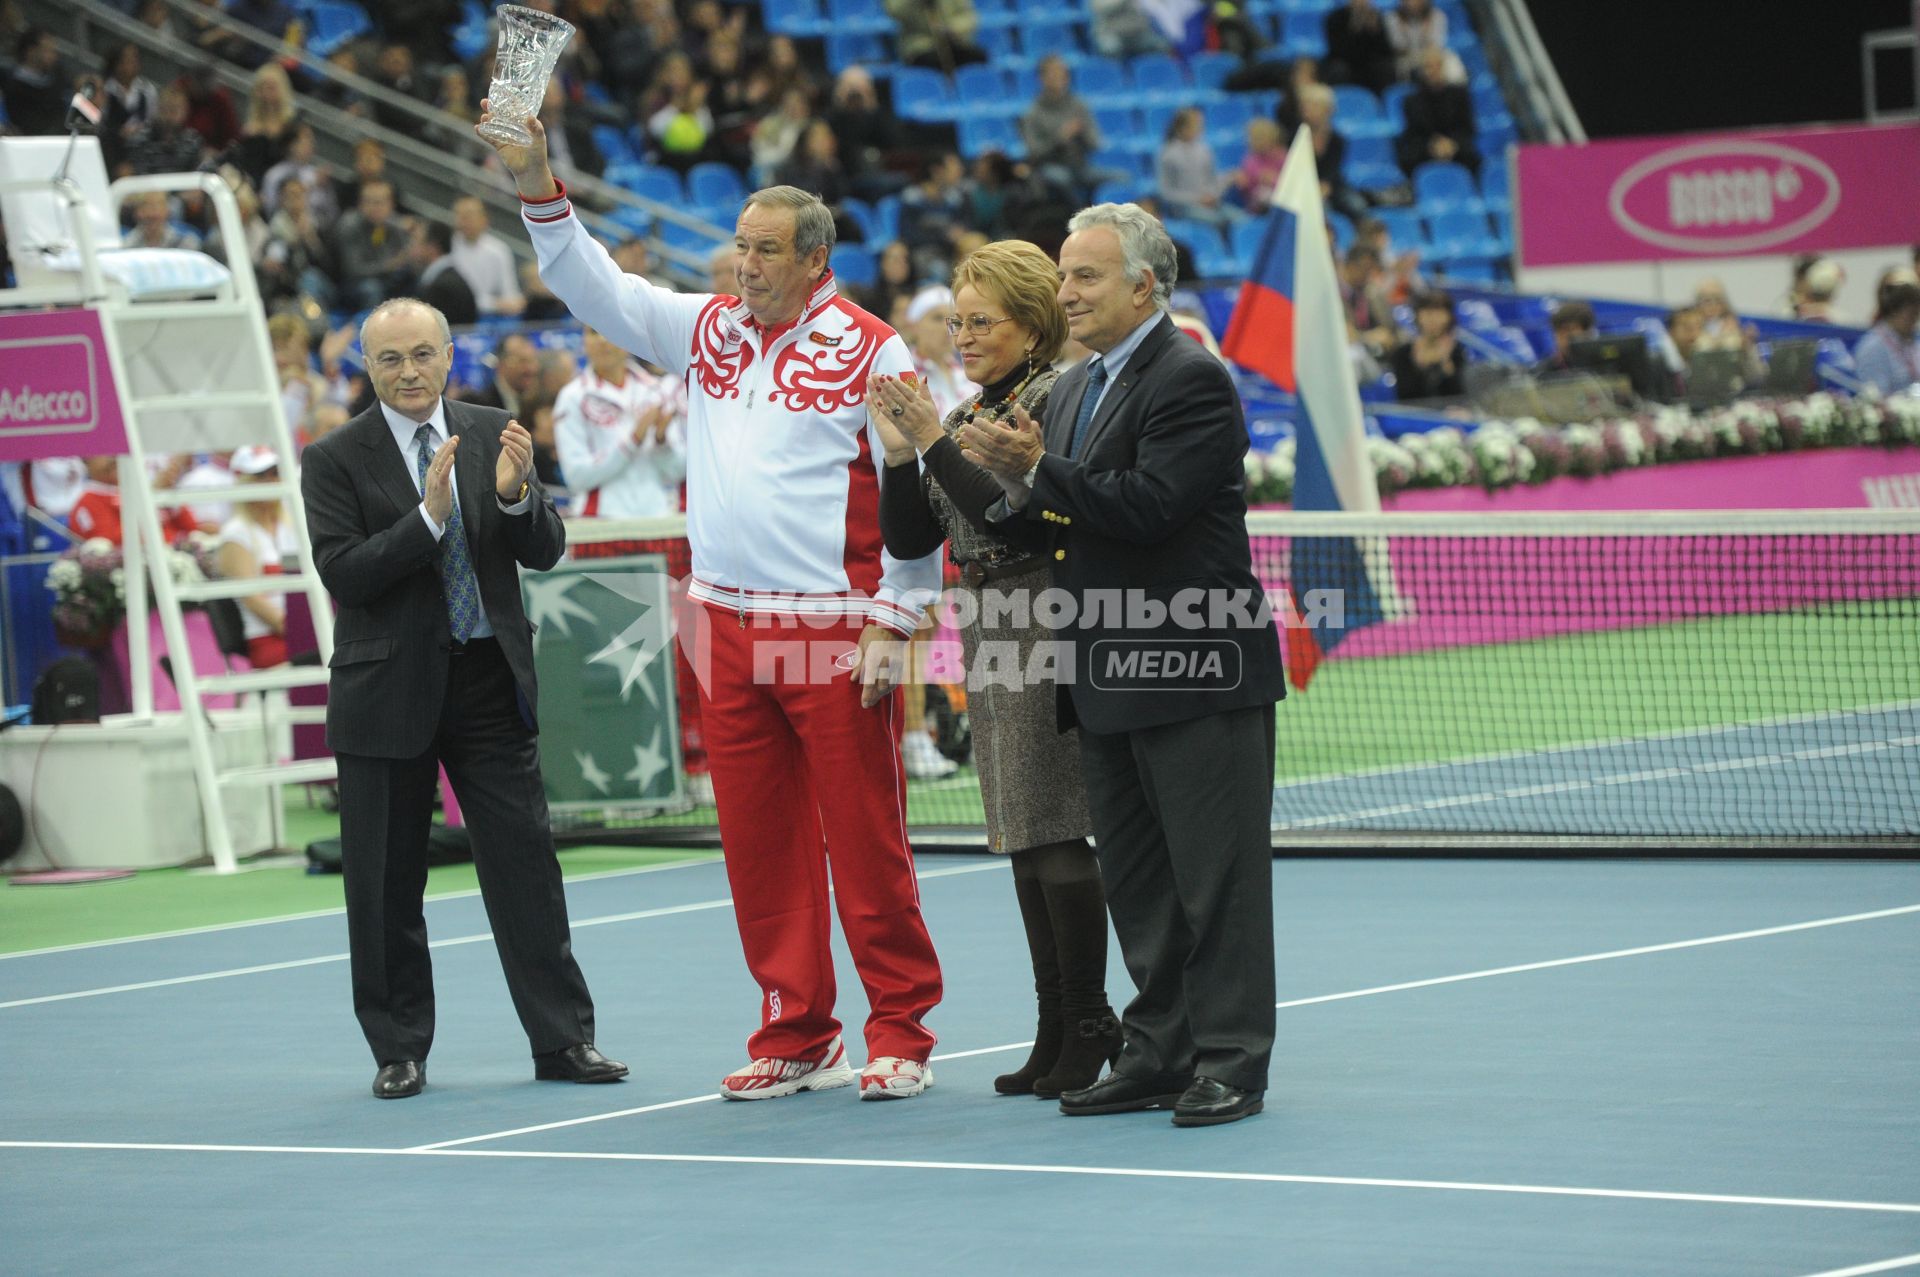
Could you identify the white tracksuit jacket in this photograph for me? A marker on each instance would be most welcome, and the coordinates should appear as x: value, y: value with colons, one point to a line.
x: 783, y: 468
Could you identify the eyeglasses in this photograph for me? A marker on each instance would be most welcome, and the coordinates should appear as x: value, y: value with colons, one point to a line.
x: 978, y: 325
x: 394, y: 361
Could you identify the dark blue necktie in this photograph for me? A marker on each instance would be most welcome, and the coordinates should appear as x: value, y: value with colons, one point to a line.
x: 457, y: 582
x: 1096, y: 382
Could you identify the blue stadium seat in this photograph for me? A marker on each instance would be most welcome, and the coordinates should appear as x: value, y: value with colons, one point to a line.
x: 1503, y: 229
x: 1470, y: 270
x: 795, y: 17
x: 858, y: 17
x: 1214, y: 260
x: 1154, y: 122
x: 1461, y: 233
x: 1196, y: 235
x: 1118, y: 125
x: 334, y: 23
x: 860, y: 213
x: 611, y: 141
x: 1211, y: 70
x: 1342, y: 229
x: 1354, y: 104
x: 1367, y: 151
x: 686, y: 238
x: 1026, y: 82
x: 1227, y: 122
x: 1404, y: 227
x: 982, y: 133
x: 1442, y: 187
x: 716, y: 187
x: 982, y: 87
x: 1041, y: 41
x: 472, y: 38
x: 635, y: 222
x: 650, y: 181
x: 1494, y: 185
x: 1393, y: 102
x: 1319, y: 7
x: 1247, y: 237
x: 922, y: 94
x: 1157, y: 78
x: 854, y: 266
x: 997, y: 13
x: 886, y: 217
x: 1103, y: 82
x: 863, y: 48
x: 1306, y: 33
x: 1124, y: 191
x: 1001, y: 46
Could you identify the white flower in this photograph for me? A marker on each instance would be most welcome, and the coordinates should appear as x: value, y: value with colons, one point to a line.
x: 1254, y: 466
x: 185, y: 570
x: 96, y: 546
x: 65, y: 574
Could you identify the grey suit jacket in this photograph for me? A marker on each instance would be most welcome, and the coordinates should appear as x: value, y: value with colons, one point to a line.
x: 381, y: 565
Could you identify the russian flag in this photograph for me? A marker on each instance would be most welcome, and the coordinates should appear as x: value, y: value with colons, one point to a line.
x: 1290, y: 324
x: 1182, y: 22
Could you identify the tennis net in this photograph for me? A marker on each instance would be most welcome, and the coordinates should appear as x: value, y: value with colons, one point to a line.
x: 1612, y: 679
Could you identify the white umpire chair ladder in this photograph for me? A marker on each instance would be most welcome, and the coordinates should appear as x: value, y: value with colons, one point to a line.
x: 194, y: 371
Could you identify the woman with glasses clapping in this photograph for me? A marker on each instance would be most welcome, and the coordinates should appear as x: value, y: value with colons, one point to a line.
x: 1008, y: 326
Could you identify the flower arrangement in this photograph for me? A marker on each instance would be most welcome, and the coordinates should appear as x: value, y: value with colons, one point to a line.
x: 89, y: 584
x: 1502, y: 454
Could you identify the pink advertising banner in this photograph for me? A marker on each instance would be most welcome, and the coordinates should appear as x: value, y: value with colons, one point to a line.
x: 1718, y: 195
x: 57, y: 397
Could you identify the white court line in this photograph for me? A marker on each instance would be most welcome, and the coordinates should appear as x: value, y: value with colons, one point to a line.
x: 1305, y: 1002
x: 469, y: 893
x: 670, y: 1104
x: 477, y: 938
x: 1606, y: 742
x: 1529, y: 791
x: 1884, y: 1266
x: 1004, y: 1168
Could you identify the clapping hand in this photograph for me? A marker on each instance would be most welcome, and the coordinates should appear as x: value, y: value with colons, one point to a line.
x: 437, y: 492
x: 515, y: 464
x: 903, y: 412
x: 1009, y: 450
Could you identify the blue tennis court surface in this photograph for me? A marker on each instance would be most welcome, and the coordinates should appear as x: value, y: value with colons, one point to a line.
x: 1794, y: 776
x: 1484, y: 1068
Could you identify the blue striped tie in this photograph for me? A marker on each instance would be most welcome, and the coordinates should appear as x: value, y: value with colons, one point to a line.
x: 457, y: 582
x: 1096, y: 382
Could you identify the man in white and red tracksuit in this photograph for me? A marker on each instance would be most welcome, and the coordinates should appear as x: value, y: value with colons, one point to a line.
x: 783, y: 491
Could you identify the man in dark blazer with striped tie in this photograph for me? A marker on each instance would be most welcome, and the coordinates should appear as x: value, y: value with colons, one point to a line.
x: 1134, y: 486
x: 422, y: 511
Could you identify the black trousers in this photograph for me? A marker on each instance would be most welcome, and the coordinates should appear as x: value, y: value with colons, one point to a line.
x: 386, y: 809
x: 1182, y: 814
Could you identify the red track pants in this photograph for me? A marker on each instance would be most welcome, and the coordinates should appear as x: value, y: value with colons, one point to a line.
x: 805, y: 778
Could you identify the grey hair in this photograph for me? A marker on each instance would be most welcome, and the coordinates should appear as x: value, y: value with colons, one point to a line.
x: 812, y: 220
x: 395, y: 303
x: 1144, y: 244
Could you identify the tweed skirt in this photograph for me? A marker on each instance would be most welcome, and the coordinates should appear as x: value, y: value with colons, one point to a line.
x: 1030, y: 781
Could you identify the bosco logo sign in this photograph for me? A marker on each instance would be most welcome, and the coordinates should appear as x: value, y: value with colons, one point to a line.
x: 1728, y: 196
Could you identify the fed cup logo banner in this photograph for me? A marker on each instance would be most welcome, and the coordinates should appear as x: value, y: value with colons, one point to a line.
x: 1726, y: 195
x: 57, y: 396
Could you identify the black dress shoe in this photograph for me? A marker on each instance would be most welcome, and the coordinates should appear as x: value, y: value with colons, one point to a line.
x: 1118, y: 1093
x: 1209, y: 1103
x: 399, y: 1080
x: 582, y: 1063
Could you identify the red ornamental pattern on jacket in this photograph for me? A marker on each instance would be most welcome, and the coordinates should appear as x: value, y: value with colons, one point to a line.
x: 720, y: 357
x: 827, y: 374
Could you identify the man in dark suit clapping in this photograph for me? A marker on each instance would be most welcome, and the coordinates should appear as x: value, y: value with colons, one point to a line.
x: 420, y: 510
x: 1135, y: 484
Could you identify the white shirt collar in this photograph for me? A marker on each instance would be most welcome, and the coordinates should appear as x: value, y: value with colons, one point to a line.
x: 404, y: 429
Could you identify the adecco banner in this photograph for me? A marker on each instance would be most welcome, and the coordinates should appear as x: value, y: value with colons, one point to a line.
x: 57, y: 396
x: 1719, y: 195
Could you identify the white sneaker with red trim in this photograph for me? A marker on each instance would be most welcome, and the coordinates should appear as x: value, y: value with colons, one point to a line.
x: 889, y: 1077
x: 769, y: 1078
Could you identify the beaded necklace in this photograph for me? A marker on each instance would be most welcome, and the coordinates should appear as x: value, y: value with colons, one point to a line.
x: 1003, y: 409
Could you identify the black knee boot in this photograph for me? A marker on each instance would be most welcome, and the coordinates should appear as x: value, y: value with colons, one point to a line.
x: 1090, y: 1031
x: 1046, y: 988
